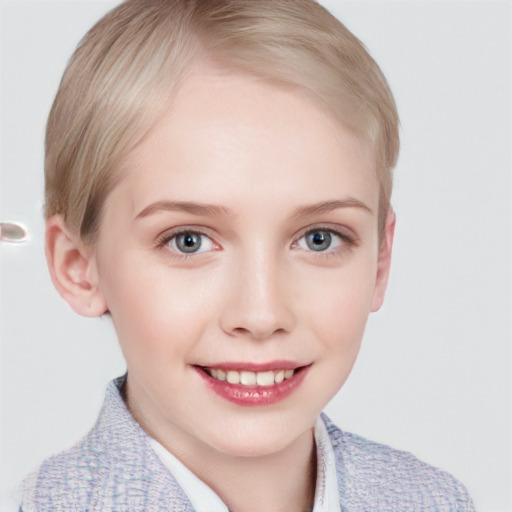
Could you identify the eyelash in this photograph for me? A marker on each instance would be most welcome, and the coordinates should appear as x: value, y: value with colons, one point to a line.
x: 348, y: 241
x: 166, y: 238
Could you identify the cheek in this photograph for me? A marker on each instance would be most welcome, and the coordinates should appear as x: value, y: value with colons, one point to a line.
x: 155, y: 312
x: 339, y: 300
x: 339, y: 318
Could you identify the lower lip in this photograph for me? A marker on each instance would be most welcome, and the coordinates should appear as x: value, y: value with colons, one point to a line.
x: 254, y: 396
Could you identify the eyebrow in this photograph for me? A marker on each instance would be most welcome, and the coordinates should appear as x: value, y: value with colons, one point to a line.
x: 328, y: 206
x: 203, y: 209
x: 184, y: 206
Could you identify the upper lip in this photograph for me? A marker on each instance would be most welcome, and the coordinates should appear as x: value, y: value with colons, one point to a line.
x: 255, y: 367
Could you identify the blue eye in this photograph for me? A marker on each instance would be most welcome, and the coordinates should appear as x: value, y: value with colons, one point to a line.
x: 319, y: 240
x: 189, y: 242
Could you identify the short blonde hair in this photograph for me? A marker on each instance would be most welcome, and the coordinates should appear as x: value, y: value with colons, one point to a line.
x: 127, y: 68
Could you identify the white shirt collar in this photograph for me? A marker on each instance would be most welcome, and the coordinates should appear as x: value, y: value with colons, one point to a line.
x: 327, y: 497
x: 204, y: 499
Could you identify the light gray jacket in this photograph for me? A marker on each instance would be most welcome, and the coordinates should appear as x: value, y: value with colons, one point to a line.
x: 113, y: 469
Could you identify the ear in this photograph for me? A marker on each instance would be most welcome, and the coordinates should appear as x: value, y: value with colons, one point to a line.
x: 73, y: 269
x: 384, y: 261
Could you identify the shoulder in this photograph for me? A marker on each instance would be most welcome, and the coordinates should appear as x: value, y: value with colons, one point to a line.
x: 376, y: 475
x: 113, y: 468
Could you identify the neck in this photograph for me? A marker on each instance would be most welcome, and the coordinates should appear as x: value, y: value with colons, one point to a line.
x: 278, y: 481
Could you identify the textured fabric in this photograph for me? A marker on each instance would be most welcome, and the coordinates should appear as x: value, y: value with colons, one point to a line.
x: 375, y: 477
x: 200, y: 494
x: 114, y: 469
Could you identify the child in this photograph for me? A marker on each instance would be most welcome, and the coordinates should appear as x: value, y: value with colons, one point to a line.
x: 218, y: 179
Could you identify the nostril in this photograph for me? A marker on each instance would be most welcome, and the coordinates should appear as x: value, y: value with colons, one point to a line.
x: 258, y: 332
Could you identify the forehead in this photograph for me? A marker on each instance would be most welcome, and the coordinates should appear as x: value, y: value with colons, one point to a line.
x: 224, y: 132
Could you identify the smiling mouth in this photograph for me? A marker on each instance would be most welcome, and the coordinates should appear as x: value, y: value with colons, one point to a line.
x: 248, y: 378
x: 260, y: 385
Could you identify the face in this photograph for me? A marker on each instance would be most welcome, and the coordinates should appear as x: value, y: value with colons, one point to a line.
x: 241, y: 245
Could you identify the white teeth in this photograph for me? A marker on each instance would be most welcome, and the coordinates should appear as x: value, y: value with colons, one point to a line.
x: 233, y: 377
x: 247, y: 378
x: 265, y: 378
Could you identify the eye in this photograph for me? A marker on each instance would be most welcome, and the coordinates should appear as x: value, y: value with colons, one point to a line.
x: 188, y: 242
x: 320, y: 240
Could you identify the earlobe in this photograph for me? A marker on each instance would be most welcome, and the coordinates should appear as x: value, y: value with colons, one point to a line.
x: 384, y: 261
x: 73, y: 269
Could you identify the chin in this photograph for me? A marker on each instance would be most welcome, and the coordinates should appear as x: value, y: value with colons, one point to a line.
x: 259, y: 438
x: 261, y: 447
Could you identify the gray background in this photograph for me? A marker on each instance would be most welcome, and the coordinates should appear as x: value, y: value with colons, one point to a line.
x: 433, y: 376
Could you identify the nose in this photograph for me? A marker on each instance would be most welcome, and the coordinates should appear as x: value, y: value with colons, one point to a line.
x: 259, y: 302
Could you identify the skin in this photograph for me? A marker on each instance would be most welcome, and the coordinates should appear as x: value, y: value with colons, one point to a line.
x: 255, y: 291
